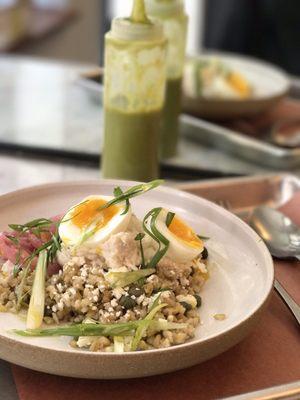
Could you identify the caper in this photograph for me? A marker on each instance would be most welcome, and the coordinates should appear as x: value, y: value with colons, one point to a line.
x: 127, y: 302
x: 204, y: 254
x: 48, y: 312
x: 186, y: 305
x: 198, y: 299
x: 136, y: 291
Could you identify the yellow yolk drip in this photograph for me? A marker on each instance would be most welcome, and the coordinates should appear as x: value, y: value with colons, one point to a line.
x: 239, y: 83
x: 86, y: 212
x: 184, y: 233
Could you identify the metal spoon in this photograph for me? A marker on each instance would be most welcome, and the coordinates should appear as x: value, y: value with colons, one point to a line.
x: 280, y: 234
x: 282, y: 237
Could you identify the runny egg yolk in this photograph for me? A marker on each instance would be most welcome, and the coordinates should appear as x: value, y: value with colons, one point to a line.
x: 184, y: 233
x: 239, y: 83
x: 86, y: 212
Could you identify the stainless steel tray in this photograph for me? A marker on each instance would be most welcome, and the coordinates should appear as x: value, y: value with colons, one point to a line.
x: 242, y: 195
x: 243, y: 146
x: 212, y: 134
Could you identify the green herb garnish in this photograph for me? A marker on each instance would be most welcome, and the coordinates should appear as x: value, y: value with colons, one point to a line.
x: 132, y: 192
x: 146, y: 322
x: 162, y: 241
x: 39, y: 223
x: 169, y: 219
x: 203, y: 237
x: 118, y: 192
x: 139, y: 237
x: 122, y: 279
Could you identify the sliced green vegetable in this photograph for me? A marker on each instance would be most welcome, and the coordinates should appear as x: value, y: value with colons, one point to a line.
x: 122, y: 279
x: 35, y: 313
x: 162, y: 241
x: 84, y: 329
x: 145, y: 323
x: 139, y: 237
x: 119, y: 330
x: 118, y: 192
x: 119, y: 345
x: 34, y: 224
x: 21, y: 286
x: 132, y: 192
x: 203, y: 237
x: 164, y: 325
x: 169, y: 219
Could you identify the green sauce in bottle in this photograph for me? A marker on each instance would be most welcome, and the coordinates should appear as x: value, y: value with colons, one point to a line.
x: 134, y: 90
x: 171, y: 13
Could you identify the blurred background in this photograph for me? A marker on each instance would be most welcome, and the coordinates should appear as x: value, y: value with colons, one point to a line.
x: 73, y: 29
x: 51, y: 50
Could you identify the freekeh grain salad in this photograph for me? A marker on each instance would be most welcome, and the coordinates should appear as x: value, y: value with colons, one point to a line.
x: 103, y: 277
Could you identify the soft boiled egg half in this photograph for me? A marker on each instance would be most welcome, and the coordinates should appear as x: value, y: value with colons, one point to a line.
x: 85, y: 224
x: 184, y: 244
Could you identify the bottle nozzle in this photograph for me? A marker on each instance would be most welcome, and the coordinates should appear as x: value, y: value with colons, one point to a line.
x: 138, y: 14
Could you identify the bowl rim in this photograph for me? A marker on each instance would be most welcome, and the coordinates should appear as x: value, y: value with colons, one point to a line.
x: 244, y: 58
x: 268, y: 262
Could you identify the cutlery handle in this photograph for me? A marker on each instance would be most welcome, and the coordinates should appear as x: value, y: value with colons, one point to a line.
x: 289, y: 302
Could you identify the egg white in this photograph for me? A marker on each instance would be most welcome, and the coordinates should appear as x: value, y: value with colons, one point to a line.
x: 179, y: 250
x: 71, y: 234
x: 222, y: 89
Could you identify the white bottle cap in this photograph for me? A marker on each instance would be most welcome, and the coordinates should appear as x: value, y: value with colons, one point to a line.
x: 125, y: 29
x: 164, y: 8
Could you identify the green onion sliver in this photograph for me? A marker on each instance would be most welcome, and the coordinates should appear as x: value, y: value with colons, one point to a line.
x: 162, y: 241
x: 122, y: 279
x: 35, y: 313
x: 145, y: 323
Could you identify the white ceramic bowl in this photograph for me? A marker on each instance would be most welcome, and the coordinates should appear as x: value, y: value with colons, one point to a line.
x: 270, y: 85
x: 240, y: 283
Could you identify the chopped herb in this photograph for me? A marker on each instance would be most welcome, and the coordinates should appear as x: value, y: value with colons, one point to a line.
x: 139, y: 237
x: 203, y: 237
x: 145, y: 323
x: 169, y: 219
x: 13, y: 239
x: 38, y: 223
x: 132, y: 192
x: 122, y: 279
x: 163, y: 242
x: 219, y: 317
x: 118, y: 192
